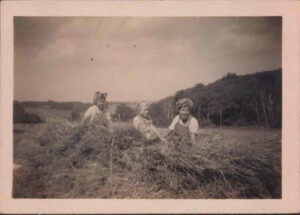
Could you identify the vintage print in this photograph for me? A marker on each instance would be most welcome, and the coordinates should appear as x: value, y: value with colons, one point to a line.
x: 147, y: 107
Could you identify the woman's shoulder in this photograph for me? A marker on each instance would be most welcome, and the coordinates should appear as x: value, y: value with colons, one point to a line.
x: 193, y: 119
x: 136, y: 120
x: 93, y: 107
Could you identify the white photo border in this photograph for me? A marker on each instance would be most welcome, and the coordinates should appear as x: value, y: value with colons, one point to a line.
x: 290, y: 13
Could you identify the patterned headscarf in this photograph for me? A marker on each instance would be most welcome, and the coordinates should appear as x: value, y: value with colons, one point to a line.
x: 96, y: 97
x: 184, y: 102
x: 100, y: 97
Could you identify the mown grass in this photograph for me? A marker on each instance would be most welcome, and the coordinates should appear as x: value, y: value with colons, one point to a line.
x: 63, y: 160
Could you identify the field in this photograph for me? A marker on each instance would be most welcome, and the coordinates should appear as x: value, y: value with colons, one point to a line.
x: 60, y: 159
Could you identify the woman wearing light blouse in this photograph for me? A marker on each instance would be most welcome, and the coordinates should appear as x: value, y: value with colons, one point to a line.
x: 184, y: 124
x: 143, y: 123
x: 97, y: 112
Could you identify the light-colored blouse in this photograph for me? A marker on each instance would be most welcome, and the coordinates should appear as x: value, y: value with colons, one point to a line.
x: 144, y: 126
x: 92, y: 112
x: 192, y: 124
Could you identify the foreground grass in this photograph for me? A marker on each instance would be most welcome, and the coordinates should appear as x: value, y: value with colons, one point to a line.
x: 61, y: 160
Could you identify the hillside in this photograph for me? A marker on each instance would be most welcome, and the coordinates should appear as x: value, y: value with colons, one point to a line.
x: 253, y: 99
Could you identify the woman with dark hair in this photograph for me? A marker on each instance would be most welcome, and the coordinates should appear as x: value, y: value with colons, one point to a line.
x: 184, y: 124
x: 97, y: 113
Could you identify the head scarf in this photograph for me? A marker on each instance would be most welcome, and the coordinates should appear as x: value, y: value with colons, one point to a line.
x: 185, y: 102
x: 100, y: 97
x: 96, y: 97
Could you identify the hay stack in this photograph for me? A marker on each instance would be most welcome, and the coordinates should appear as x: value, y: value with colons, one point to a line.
x: 91, y: 162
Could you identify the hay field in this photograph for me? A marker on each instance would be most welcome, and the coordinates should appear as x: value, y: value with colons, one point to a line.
x: 60, y: 159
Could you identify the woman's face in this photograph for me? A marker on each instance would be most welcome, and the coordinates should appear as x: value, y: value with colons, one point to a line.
x: 184, y: 113
x: 144, y: 111
x: 100, y: 105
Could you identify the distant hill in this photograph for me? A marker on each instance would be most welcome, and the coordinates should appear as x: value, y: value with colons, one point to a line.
x: 73, y: 106
x: 244, y: 100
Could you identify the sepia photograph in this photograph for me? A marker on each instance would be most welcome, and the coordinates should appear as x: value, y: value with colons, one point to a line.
x: 160, y: 107
x: 147, y: 107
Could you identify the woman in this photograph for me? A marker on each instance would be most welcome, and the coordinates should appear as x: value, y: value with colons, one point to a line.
x: 184, y: 124
x: 97, y: 113
x: 143, y: 123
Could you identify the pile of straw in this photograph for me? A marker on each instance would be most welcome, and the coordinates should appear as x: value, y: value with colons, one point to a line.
x: 93, y: 162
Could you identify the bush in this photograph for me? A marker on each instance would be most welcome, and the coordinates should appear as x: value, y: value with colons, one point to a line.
x: 159, y: 115
x: 124, y: 113
x: 249, y: 99
x: 19, y: 111
x: 20, y: 116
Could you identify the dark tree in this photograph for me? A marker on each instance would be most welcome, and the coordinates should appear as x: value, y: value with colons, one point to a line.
x: 20, y: 115
x: 254, y: 99
x: 159, y: 114
x: 124, y: 112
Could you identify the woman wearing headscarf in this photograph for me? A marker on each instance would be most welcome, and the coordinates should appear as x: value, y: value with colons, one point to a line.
x: 97, y: 113
x: 143, y: 123
x: 184, y: 124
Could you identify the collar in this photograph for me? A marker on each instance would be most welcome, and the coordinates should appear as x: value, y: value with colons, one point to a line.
x: 187, y: 122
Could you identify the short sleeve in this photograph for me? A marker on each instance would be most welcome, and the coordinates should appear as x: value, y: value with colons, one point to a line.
x: 89, y: 113
x: 136, y: 122
x: 193, y: 126
x: 174, y: 122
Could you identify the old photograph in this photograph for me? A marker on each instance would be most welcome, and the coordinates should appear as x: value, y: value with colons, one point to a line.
x: 147, y: 107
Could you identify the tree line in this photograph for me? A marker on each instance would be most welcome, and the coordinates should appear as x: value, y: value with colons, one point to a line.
x: 234, y: 100
x: 244, y: 100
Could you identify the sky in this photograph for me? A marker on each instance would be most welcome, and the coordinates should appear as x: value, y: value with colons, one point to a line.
x: 136, y: 58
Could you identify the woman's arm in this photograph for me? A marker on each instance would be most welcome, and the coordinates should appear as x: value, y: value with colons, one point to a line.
x: 193, y: 138
x: 88, y: 115
x: 193, y: 129
x: 109, y: 122
x: 168, y: 132
x: 135, y: 123
x: 154, y: 129
x: 172, y: 126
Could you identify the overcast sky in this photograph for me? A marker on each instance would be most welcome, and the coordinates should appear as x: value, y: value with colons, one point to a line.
x: 134, y: 59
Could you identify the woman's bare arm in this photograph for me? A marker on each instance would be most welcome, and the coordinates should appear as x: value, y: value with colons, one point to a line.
x: 157, y: 133
x: 193, y: 138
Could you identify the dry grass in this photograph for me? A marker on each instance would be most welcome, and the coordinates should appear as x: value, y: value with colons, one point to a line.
x: 63, y: 160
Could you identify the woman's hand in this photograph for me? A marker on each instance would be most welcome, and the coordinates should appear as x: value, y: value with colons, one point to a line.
x: 162, y: 139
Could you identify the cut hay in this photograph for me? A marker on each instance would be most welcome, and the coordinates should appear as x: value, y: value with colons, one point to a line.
x: 91, y: 162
